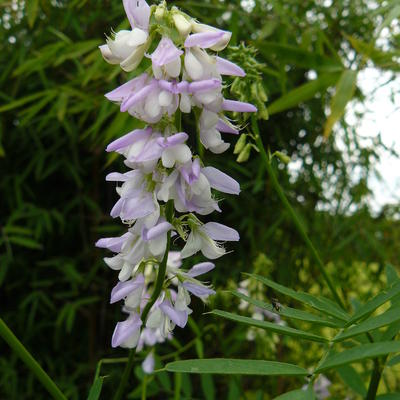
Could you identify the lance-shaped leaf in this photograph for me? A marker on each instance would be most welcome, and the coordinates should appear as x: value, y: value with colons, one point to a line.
x: 32, y: 10
x: 359, y: 353
x: 344, y: 93
x: 352, y: 379
x: 390, y: 316
x: 299, y: 394
x: 95, y: 390
x: 375, y: 303
x: 302, y: 93
x: 291, y: 313
x: 393, y: 14
x: 284, y: 330
x: 389, y: 396
x: 235, y: 367
x: 319, y: 303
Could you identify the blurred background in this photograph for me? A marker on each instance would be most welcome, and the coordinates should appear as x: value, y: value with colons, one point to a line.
x: 54, y: 202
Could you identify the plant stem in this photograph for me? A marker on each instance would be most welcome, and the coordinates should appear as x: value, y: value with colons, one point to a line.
x: 374, y: 383
x: 162, y: 268
x: 156, y: 293
x: 293, y: 214
x: 30, y: 362
x: 125, y: 376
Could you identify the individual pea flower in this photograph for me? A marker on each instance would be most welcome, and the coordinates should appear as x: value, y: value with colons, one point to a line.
x: 128, y: 47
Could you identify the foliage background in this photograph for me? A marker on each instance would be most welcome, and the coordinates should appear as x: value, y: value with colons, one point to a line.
x: 54, y: 203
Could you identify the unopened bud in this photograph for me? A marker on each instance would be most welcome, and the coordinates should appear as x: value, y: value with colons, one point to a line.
x: 261, y: 92
x: 245, y: 154
x: 159, y: 13
x: 241, y: 143
x: 283, y: 157
x: 183, y: 26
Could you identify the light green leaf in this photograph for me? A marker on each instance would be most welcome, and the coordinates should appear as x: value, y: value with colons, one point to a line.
x: 235, y: 367
x: 299, y: 394
x: 375, y: 303
x: 95, y: 390
x: 319, y: 303
x: 390, y: 316
x: 24, y: 100
x: 359, y: 353
x: 302, y: 93
x: 290, y: 312
x: 393, y: 14
x: 344, y: 93
x: 352, y: 379
x: 32, y: 10
x: 284, y: 330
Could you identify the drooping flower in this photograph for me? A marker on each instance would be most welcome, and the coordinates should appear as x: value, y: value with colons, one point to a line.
x: 163, y: 168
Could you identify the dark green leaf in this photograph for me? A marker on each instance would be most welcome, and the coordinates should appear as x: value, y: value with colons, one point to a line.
x: 284, y: 330
x: 299, y: 394
x: 319, y: 303
x: 235, y: 367
x: 352, y: 379
x: 32, y: 10
x: 289, y: 312
x: 359, y: 353
x: 95, y: 390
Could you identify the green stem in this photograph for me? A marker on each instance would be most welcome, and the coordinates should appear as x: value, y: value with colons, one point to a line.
x: 30, y: 362
x: 125, y: 376
x: 293, y: 214
x: 162, y: 270
x: 374, y: 383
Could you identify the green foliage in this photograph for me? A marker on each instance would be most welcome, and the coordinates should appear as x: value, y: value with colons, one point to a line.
x: 54, y: 125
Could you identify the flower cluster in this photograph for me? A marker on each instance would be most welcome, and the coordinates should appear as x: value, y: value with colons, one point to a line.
x: 166, y: 184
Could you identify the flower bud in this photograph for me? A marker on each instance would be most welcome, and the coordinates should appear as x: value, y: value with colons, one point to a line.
x: 283, y: 157
x: 159, y: 13
x: 183, y: 26
x: 241, y: 143
x: 245, y: 154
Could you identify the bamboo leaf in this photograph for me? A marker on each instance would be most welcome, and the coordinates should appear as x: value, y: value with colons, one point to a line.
x: 284, y: 330
x: 24, y: 100
x: 393, y: 14
x: 25, y: 242
x: 352, y: 379
x: 359, y: 353
x: 319, y: 303
x: 389, y: 396
x: 375, y: 303
x: 390, y: 316
x: 302, y: 93
x: 290, y: 312
x: 235, y: 367
x: 32, y: 11
x: 299, y: 394
x: 95, y: 390
x: 344, y: 93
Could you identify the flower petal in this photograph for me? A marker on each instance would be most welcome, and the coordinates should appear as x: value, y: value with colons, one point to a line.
x: 204, y: 86
x: 156, y: 231
x: 138, y: 96
x: 221, y: 181
x: 179, y: 318
x: 125, y: 90
x: 114, y: 244
x: 198, y: 290
x: 238, y: 106
x: 226, y: 67
x: 165, y: 53
x: 138, y: 13
x: 226, y: 127
x: 128, y: 139
x: 123, y: 289
x: 126, y: 329
x: 220, y: 232
x: 201, y: 269
x: 204, y: 39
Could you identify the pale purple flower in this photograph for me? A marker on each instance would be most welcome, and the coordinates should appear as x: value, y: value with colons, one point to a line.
x: 148, y: 364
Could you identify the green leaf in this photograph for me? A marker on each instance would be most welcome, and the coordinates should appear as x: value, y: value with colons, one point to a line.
x: 24, y: 100
x: 32, y: 10
x: 299, y: 394
x: 352, y: 379
x: 344, y: 93
x: 25, y: 242
x: 394, y: 361
x: 235, y: 367
x: 375, y: 303
x: 302, y: 93
x: 393, y: 14
x: 298, y: 56
x: 390, y: 316
x: 359, y: 353
x: 284, y: 330
x: 95, y: 390
x: 389, y: 396
x: 319, y: 303
x: 288, y: 312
